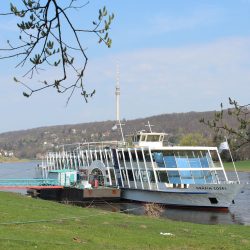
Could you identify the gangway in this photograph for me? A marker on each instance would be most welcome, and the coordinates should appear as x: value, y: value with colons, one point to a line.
x: 29, y: 184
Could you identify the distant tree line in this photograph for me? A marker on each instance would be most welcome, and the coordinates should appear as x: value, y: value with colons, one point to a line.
x: 182, y: 129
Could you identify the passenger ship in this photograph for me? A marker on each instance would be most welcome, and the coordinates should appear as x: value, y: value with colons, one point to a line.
x: 148, y: 171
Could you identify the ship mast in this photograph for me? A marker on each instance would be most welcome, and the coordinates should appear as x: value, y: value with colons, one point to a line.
x: 117, y: 94
x: 150, y: 127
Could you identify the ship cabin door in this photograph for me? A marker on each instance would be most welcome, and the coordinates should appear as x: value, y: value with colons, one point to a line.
x: 96, y: 175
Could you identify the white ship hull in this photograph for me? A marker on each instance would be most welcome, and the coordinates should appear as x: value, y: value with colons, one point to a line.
x: 210, y: 196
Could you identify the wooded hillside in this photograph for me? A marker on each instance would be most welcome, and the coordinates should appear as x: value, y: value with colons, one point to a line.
x: 33, y: 143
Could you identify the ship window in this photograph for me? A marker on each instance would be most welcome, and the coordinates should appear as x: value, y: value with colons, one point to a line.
x: 147, y: 156
x: 139, y: 154
x: 120, y: 156
x: 126, y: 155
x: 151, y: 176
x: 109, y: 157
x: 103, y: 155
x: 153, y: 138
x: 136, y: 175
x: 133, y: 156
x: 213, y: 200
x: 112, y: 174
x: 98, y: 156
x: 124, y: 177
x: 143, y: 138
x: 162, y: 176
x: 130, y: 175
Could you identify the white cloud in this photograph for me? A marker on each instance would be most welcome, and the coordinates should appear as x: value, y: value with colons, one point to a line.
x: 165, y: 80
x: 153, y: 81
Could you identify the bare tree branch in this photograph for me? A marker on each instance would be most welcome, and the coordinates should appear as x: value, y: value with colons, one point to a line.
x: 42, y: 43
x: 240, y: 134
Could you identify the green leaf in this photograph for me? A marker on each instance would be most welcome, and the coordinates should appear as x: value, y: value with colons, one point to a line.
x: 57, y: 63
x: 50, y: 44
x: 100, y: 14
x: 25, y: 94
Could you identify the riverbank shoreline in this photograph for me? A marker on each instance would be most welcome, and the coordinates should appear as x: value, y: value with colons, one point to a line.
x: 33, y: 223
x: 14, y: 160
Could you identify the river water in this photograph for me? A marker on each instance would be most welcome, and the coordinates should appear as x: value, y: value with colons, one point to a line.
x: 239, y: 213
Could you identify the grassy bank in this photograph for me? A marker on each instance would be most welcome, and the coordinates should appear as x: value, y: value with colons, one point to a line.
x: 27, y: 223
x: 240, y: 166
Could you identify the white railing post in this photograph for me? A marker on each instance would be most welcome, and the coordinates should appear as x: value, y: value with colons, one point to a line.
x: 153, y: 167
x: 146, y: 168
x: 125, y: 167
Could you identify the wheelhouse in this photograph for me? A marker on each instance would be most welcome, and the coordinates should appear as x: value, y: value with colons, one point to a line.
x: 143, y: 139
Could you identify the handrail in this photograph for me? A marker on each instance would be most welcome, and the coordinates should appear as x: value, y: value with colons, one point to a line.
x: 28, y: 182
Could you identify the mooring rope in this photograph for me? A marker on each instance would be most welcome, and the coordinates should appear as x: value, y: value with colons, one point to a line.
x: 51, y: 220
x: 36, y: 241
x: 60, y: 219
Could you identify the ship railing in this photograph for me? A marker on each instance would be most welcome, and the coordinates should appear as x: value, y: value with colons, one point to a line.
x: 102, y: 145
x: 68, y: 150
x: 90, y: 145
x: 29, y: 182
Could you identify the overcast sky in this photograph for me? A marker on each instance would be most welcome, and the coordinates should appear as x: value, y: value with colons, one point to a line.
x: 174, y: 56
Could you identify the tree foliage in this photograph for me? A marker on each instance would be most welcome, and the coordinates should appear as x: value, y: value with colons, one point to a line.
x: 195, y: 139
x: 239, y: 135
x: 43, y: 43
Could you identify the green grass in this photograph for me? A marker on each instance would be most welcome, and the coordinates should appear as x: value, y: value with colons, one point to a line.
x: 27, y: 223
x: 240, y: 165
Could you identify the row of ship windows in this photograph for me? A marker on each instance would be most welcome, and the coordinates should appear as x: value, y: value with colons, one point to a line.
x: 142, y: 155
x: 163, y: 159
x: 173, y: 177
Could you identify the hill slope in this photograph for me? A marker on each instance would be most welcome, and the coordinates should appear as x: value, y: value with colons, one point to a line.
x: 34, y: 142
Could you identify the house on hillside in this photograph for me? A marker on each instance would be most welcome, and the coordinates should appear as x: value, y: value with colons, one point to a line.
x: 6, y: 153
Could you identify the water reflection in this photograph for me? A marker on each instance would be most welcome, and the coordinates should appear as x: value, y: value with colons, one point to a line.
x: 239, y: 213
x: 195, y: 216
